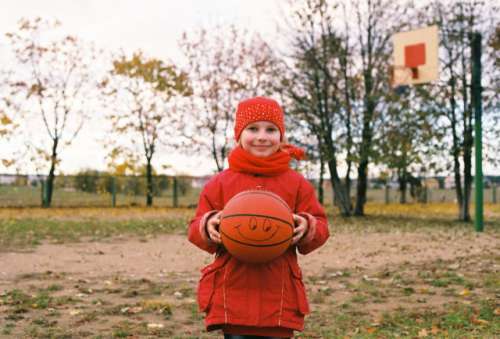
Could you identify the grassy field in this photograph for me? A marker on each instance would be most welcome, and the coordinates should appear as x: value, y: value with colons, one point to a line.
x: 27, y: 196
x: 456, y: 298
x: 21, y: 227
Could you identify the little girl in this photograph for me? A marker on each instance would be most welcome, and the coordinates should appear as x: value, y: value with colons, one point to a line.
x: 249, y: 300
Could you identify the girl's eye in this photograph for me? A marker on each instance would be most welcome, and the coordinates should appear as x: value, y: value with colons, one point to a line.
x: 271, y: 130
x: 252, y: 128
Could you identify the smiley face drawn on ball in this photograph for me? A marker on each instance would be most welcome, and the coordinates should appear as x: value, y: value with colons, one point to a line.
x: 258, y: 229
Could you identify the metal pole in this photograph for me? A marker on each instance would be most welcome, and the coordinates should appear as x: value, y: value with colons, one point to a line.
x: 478, y: 111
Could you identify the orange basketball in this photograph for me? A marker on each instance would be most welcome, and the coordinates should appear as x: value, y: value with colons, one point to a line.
x: 256, y: 226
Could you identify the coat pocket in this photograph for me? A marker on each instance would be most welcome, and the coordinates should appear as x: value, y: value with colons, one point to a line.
x: 206, y: 286
x: 300, y: 290
x: 206, y: 290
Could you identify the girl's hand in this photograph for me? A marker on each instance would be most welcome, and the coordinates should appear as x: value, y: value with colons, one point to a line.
x: 301, y: 228
x: 213, y: 227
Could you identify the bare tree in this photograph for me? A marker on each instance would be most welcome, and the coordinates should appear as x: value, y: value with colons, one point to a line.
x: 377, y: 20
x: 8, y: 124
x: 143, y: 90
x: 341, y: 80
x: 319, y: 83
x: 225, y: 65
x: 54, y: 76
x: 409, y: 137
x: 457, y: 21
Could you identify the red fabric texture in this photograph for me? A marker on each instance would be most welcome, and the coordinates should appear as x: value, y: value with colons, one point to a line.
x: 265, y: 295
x: 258, y: 109
x: 241, y: 160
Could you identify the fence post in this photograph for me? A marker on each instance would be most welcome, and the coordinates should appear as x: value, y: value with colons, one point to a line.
x: 175, y: 200
x: 387, y: 194
x: 425, y: 195
x: 494, y: 193
x: 113, y: 191
x: 42, y: 192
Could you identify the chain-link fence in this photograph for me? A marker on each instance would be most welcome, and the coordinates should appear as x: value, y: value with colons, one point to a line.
x: 86, y: 190
x: 100, y: 191
x: 392, y: 195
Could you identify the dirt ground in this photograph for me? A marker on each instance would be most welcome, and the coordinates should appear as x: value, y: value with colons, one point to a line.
x: 135, y: 267
x: 159, y: 256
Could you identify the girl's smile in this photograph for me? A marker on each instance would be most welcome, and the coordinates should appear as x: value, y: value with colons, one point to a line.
x: 261, y: 138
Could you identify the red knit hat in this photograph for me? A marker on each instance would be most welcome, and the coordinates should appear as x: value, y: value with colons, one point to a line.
x: 258, y: 109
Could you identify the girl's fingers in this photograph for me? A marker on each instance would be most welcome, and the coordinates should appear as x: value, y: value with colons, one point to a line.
x: 299, y: 220
x: 298, y: 234
x: 213, y: 232
x: 296, y: 239
x: 215, y: 236
x: 299, y: 229
x: 217, y: 217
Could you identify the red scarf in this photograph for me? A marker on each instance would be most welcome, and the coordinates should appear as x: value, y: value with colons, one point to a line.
x: 241, y: 160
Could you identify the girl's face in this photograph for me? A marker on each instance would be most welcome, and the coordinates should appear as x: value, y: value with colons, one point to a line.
x: 261, y: 138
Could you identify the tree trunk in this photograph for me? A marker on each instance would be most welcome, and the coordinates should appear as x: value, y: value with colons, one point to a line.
x: 361, y: 188
x: 149, y: 183
x: 347, y: 97
x: 456, y: 150
x: 366, y: 142
x: 220, y: 166
x: 348, y: 182
x: 321, y: 179
x: 402, y: 187
x: 50, y: 179
x: 467, y: 147
x: 340, y: 195
x: 467, y: 159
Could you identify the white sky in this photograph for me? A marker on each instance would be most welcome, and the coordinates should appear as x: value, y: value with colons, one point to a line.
x: 153, y: 26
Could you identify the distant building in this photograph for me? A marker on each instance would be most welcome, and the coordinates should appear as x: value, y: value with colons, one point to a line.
x: 449, y: 181
x: 35, y: 179
x: 8, y: 179
x: 199, y: 182
x: 431, y: 183
x: 21, y: 180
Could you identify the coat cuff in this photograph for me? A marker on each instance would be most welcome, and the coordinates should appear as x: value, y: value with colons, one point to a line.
x: 311, y: 229
x: 203, y: 226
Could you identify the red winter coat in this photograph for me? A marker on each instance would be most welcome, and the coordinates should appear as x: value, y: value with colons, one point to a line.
x: 265, y: 295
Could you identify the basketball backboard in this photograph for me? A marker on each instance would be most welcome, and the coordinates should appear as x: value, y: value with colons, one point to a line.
x: 415, y: 57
